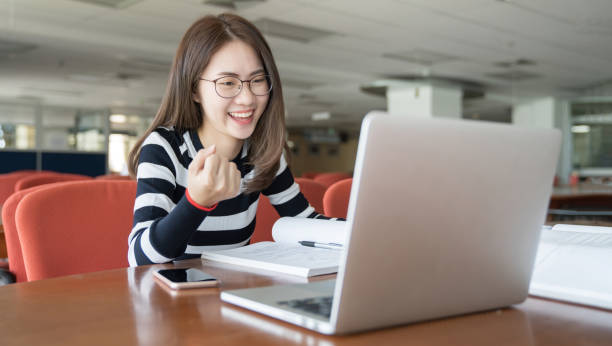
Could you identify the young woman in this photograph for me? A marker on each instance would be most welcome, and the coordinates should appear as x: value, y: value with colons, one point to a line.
x: 216, y: 142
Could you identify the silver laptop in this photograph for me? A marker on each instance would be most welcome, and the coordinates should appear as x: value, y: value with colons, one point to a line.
x: 444, y: 219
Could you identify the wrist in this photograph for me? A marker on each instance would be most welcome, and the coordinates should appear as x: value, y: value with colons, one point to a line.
x: 198, y: 205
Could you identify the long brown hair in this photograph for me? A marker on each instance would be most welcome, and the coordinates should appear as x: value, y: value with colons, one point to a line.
x: 178, y: 109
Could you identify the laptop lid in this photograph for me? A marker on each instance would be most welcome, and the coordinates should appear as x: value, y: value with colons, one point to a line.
x: 444, y: 219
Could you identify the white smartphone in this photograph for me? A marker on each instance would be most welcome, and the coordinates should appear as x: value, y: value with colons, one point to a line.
x: 180, y: 278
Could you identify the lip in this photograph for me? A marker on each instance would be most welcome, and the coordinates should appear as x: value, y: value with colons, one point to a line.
x: 240, y: 118
x: 242, y: 111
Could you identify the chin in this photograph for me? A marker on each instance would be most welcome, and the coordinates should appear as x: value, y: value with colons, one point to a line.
x: 242, y: 134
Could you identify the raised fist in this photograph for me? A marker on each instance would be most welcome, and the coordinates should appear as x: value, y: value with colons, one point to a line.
x: 212, y: 178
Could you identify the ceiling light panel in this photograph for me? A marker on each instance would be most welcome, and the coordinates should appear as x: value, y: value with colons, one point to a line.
x: 513, y: 76
x: 118, y: 4
x: 232, y: 4
x: 420, y: 57
x: 290, y: 31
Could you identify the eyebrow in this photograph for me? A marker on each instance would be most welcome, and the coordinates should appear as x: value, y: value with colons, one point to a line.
x: 256, y: 72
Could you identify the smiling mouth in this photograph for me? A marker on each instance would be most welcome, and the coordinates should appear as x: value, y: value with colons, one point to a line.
x: 241, y: 115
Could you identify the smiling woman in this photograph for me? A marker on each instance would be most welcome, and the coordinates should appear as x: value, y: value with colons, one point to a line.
x: 215, y: 144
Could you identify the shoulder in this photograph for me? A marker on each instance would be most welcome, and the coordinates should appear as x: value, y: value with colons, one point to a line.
x: 168, y: 137
x: 161, y: 135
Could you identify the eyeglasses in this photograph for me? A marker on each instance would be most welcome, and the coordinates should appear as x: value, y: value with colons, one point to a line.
x: 228, y: 87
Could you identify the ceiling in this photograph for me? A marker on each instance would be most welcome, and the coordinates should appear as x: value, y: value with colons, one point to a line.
x: 81, y: 53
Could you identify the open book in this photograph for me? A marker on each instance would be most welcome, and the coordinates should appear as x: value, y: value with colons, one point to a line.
x: 574, y: 263
x: 285, y: 254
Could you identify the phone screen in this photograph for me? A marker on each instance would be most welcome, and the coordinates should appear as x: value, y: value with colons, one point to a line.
x: 186, y: 275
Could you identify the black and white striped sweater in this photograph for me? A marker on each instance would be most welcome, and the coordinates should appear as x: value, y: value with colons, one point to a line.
x: 168, y: 227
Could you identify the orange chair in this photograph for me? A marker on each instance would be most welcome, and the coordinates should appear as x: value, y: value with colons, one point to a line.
x: 8, y: 181
x: 328, y: 179
x: 313, y: 192
x: 47, y: 178
x: 7, y: 187
x: 13, y: 246
x: 75, y: 227
x: 310, y: 175
x: 267, y: 215
x: 114, y: 177
x: 336, y: 198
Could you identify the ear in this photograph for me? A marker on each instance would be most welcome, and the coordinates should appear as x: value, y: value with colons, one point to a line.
x: 195, y: 95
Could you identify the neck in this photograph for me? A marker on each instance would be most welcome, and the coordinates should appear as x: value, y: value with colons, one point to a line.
x: 227, y: 146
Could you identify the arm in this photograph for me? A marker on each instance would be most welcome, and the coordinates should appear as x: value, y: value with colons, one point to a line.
x: 166, y: 214
x: 164, y: 219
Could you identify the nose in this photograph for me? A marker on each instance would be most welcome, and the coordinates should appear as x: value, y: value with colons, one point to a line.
x: 245, y: 96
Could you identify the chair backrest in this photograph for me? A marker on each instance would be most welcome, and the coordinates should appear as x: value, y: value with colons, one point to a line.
x: 328, y: 179
x: 336, y: 198
x: 313, y: 192
x: 13, y: 246
x: 8, y: 181
x: 114, y: 177
x: 310, y: 175
x: 47, y: 178
x: 267, y: 215
x: 265, y: 218
x: 75, y: 227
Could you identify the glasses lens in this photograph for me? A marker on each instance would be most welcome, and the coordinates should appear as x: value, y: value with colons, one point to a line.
x: 260, y: 85
x: 228, y: 86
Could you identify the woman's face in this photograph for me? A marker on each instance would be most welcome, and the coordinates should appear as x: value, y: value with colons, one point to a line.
x: 235, y: 117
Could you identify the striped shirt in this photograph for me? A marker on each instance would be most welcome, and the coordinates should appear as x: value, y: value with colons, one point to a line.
x: 168, y: 227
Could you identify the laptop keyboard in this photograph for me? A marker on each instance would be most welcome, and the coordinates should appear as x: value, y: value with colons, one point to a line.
x: 318, y: 305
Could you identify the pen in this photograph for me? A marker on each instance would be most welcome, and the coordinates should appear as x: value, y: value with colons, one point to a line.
x: 333, y: 246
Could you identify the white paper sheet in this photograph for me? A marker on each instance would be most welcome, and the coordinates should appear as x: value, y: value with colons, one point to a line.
x: 295, y: 229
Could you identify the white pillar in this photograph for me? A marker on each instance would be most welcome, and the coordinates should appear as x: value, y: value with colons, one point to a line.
x: 422, y: 99
x: 549, y: 112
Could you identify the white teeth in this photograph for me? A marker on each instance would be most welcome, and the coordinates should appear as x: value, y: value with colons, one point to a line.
x: 241, y: 115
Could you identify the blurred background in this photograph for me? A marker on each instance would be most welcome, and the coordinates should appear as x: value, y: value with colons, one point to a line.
x: 80, y: 80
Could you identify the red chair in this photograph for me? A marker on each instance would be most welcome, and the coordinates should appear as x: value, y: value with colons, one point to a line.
x: 13, y: 246
x: 267, y: 215
x: 310, y: 175
x: 75, y: 227
x: 47, y: 178
x: 313, y: 192
x: 328, y: 179
x: 336, y: 198
x: 8, y: 181
x: 7, y: 187
x: 114, y: 177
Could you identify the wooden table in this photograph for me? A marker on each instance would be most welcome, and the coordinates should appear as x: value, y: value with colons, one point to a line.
x: 127, y: 307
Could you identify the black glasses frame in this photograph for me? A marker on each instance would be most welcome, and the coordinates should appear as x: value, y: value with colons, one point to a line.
x: 267, y: 76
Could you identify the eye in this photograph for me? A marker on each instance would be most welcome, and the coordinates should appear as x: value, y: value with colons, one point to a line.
x: 259, y: 80
x: 228, y: 82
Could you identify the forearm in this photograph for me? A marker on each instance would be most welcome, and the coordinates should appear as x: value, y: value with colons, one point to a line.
x: 163, y: 238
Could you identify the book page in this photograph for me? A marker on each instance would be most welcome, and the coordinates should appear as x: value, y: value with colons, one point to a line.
x: 282, y: 257
x: 574, y: 266
x: 295, y: 229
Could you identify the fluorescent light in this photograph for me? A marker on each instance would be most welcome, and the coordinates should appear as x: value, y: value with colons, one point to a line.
x: 581, y: 129
x: 321, y: 116
x: 118, y: 118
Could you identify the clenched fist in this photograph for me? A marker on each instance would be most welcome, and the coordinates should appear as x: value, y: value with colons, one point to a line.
x: 211, y: 178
